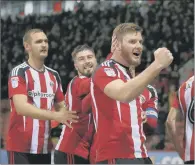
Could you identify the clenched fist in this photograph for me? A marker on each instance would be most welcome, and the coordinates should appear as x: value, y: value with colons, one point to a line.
x: 163, y: 57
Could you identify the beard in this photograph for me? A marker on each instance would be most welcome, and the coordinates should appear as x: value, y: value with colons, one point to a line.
x: 85, y: 72
x: 129, y: 57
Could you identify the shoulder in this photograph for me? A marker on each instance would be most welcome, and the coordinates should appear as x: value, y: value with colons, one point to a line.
x: 107, y: 68
x: 187, y: 85
x: 152, y: 91
x: 54, y: 72
x: 19, y: 70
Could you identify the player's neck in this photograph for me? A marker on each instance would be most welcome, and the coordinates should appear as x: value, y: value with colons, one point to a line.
x: 118, y: 58
x: 36, y: 64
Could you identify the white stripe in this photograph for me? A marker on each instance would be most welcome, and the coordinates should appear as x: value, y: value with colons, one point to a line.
x: 61, y: 137
x: 49, y: 89
x: 95, y: 105
x: 134, y: 123
x: 189, y: 126
x: 118, y: 103
x: 49, y: 106
x: 70, y: 108
x: 135, y: 129
x: 188, y: 135
x: 37, y: 103
x: 70, y: 95
x: 24, y: 122
x: 89, y: 120
x: 108, y: 63
x: 23, y: 65
x: 180, y: 102
x: 24, y: 117
x: 47, y: 68
x: 50, y: 69
x: 142, y: 132
x: 46, y: 137
x: 15, y: 70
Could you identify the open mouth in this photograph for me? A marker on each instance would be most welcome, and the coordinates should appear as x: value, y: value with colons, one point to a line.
x: 136, y: 54
x: 88, y: 67
x: 43, y: 51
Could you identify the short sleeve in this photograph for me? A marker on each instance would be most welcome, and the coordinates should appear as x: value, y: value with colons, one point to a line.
x: 17, y: 83
x: 152, y: 102
x: 103, y: 76
x: 83, y: 86
x: 59, y: 97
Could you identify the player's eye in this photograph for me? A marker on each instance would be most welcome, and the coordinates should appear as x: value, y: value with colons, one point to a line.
x: 132, y: 41
x: 81, y: 59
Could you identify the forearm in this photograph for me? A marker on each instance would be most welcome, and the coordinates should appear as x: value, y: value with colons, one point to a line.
x: 27, y: 109
x: 173, y: 133
x: 135, y: 86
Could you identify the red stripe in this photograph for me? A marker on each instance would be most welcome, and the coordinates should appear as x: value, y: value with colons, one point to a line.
x: 53, y: 80
x: 43, y: 105
x: 29, y: 120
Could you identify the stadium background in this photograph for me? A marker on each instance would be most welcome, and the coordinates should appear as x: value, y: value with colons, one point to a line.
x: 69, y: 23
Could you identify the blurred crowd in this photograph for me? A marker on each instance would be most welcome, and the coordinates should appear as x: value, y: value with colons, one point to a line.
x: 165, y: 24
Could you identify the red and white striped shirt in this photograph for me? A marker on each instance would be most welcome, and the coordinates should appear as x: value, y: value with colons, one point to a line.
x: 119, y: 128
x: 77, y: 140
x: 186, y: 101
x: 42, y: 89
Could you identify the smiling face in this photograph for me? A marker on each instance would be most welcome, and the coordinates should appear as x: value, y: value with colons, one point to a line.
x: 85, y: 62
x: 131, y: 48
x: 128, y: 44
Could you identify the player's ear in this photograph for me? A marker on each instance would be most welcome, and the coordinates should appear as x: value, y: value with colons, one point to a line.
x: 75, y: 65
x: 118, y: 45
x: 27, y: 47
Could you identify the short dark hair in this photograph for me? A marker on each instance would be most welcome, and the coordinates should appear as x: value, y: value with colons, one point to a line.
x: 124, y: 28
x: 81, y: 48
x: 27, y: 34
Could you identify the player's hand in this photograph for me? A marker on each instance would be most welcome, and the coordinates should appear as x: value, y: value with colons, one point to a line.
x: 66, y: 117
x: 144, y: 117
x: 163, y: 57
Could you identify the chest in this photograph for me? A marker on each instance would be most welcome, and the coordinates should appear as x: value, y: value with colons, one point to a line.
x: 40, y: 85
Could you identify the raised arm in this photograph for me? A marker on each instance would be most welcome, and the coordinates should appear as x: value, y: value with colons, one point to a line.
x: 127, y: 91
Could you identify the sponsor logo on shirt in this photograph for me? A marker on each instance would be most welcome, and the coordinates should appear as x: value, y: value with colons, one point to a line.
x: 40, y: 94
x: 14, y: 82
x: 110, y: 72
